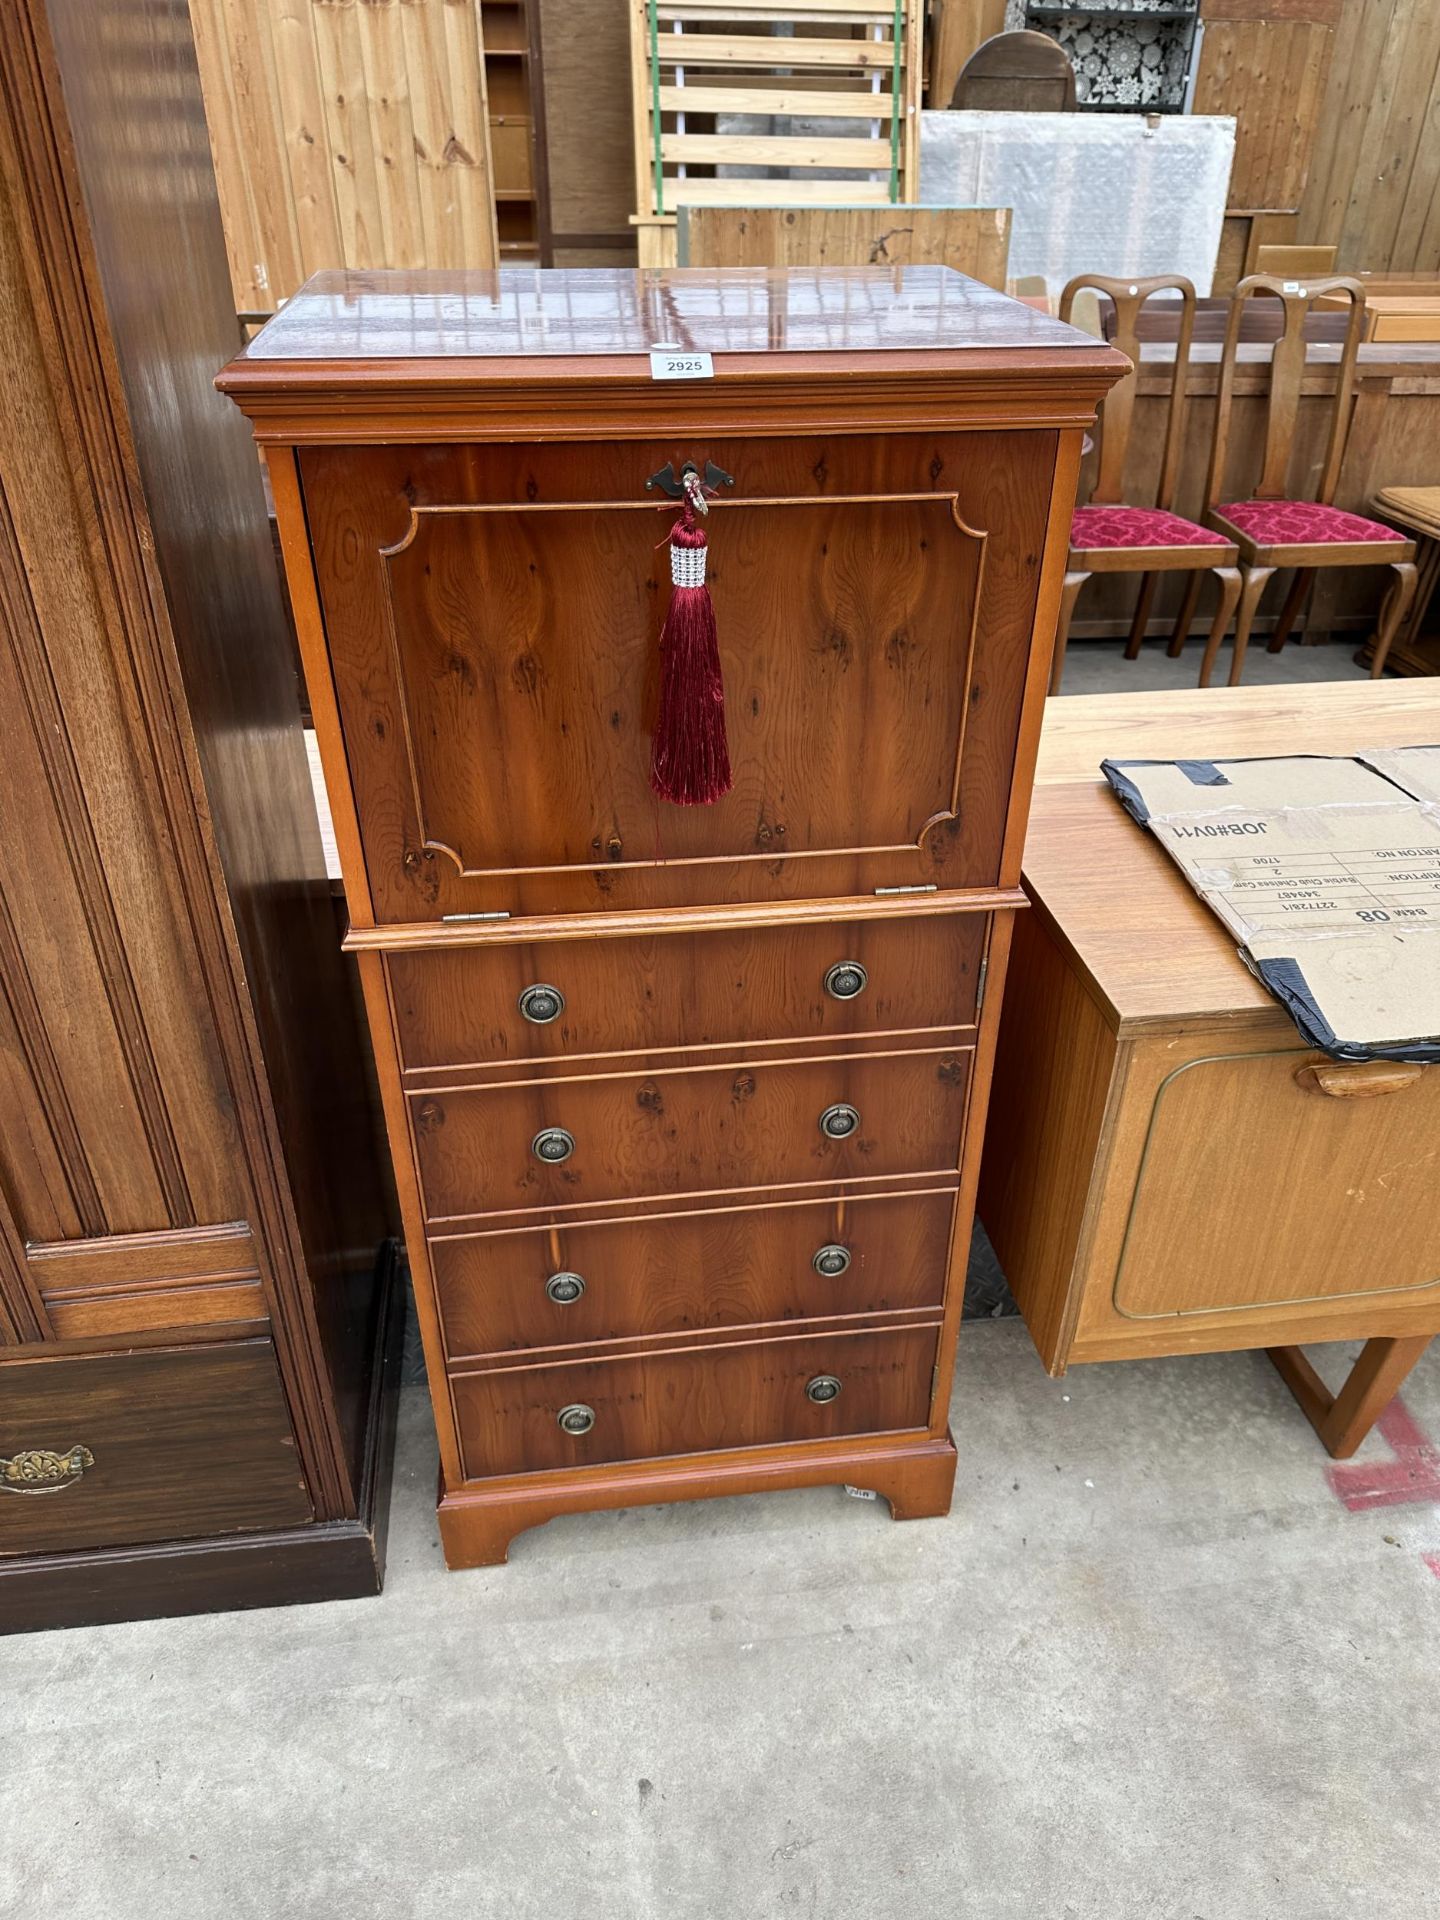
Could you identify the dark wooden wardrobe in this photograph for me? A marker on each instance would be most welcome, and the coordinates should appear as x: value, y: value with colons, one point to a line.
x: 196, y: 1303
x: 685, y: 1102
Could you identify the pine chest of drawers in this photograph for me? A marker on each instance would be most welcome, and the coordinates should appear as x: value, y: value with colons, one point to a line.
x: 685, y: 1101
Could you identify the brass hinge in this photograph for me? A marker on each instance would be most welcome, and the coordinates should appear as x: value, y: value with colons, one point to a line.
x: 980, y: 983
x: 451, y: 918
x: 930, y: 886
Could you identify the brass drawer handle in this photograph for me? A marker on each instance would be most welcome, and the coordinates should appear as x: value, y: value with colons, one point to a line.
x: 840, y: 1121
x: 846, y: 980
x: 565, y: 1288
x: 1358, y: 1079
x: 576, y: 1419
x: 552, y: 1145
x: 822, y: 1389
x: 541, y: 1004
x: 831, y: 1260
x: 37, y: 1470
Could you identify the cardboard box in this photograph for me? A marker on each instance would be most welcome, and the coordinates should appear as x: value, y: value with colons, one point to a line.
x: 1327, y: 872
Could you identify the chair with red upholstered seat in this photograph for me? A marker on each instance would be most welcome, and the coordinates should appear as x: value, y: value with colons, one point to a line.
x: 1272, y: 528
x: 1110, y: 536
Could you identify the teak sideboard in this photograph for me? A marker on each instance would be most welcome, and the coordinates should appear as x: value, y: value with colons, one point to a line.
x: 1169, y: 1168
x: 685, y: 1102
x: 198, y: 1320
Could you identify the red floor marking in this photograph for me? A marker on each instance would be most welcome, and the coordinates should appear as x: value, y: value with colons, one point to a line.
x: 1411, y: 1479
x: 1432, y: 1560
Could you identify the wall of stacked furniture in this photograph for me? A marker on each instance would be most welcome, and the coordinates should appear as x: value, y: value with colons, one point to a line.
x: 435, y: 135
x: 429, y: 134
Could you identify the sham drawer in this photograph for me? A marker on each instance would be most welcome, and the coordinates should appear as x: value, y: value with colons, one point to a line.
x: 551, y: 999
x: 690, y: 1273
x: 572, y: 1142
x: 649, y: 1405
x: 157, y: 1444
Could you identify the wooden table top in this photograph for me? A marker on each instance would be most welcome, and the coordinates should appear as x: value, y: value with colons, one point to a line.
x: 1148, y: 948
x: 1416, y: 508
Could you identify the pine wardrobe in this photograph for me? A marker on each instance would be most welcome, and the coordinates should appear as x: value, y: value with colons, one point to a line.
x: 685, y: 1101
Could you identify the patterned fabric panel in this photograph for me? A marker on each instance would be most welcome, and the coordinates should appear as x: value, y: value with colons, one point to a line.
x: 1138, y: 527
x: 1277, y: 523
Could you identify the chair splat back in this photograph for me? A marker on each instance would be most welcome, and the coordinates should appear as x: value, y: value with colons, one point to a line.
x: 1118, y: 411
x: 1287, y: 372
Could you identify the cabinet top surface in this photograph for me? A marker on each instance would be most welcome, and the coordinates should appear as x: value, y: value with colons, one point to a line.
x: 604, y: 312
x: 1150, y: 949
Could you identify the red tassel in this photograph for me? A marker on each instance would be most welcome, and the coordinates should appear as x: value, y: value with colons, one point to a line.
x: 689, y: 755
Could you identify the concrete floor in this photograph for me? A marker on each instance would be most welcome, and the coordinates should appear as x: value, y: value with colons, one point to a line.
x: 1152, y: 1667
x: 1100, y: 666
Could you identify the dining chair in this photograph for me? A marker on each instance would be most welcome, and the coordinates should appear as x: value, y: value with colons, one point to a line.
x: 1275, y: 526
x: 1109, y: 536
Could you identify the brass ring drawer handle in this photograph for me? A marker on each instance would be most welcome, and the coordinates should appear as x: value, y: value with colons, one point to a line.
x: 38, y: 1470
x: 552, y: 1145
x: 565, y: 1288
x: 831, y: 1260
x: 541, y: 1004
x: 840, y: 1121
x: 577, y: 1419
x: 846, y: 980
x: 822, y: 1389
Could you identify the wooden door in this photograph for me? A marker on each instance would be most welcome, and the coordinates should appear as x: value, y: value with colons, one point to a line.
x: 1257, y: 1189
x: 493, y: 620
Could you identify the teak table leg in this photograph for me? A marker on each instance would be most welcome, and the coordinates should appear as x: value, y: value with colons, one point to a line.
x: 1343, y: 1419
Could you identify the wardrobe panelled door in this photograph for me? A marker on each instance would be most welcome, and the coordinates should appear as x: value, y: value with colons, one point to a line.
x: 685, y: 1099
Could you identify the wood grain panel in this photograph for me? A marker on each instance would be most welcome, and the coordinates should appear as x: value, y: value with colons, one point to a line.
x: 683, y: 990
x: 691, y: 1273
x: 1269, y: 70
x: 346, y: 134
x: 1080, y: 838
x: 695, y: 1131
x: 1374, y: 185
x: 973, y: 240
x: 564, y: 726
x: 686, y: 1402
x: 1053, y: 1076
x: 133, y: 1100
x: 876, y: 603
x: 957, y: 28
x: 140, y: 1282
x: 184, y: 1443
x: 1267, y: 1241
x: 1335, y: 716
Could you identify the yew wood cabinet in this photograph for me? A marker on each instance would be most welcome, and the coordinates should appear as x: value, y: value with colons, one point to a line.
x: 685, y: 1102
